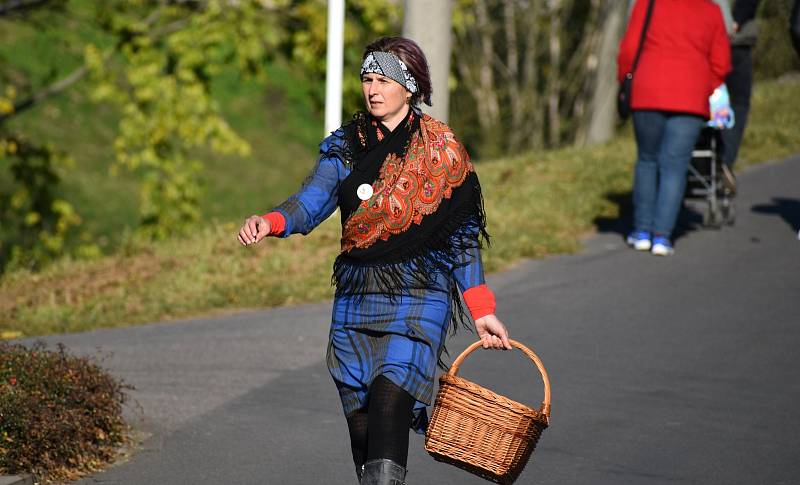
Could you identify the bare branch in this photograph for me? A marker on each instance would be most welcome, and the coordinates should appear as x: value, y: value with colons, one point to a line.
x: 80, y: 73
x: 49, y: 91
x: 10, y: 6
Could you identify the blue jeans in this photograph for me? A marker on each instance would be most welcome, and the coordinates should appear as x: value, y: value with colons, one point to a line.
x: 665, y: 142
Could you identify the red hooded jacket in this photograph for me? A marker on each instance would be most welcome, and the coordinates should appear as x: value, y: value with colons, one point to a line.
x: 686, y: 55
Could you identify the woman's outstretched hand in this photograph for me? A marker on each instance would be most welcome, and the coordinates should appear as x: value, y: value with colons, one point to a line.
x: 254, y: 229
x: 492, y: 333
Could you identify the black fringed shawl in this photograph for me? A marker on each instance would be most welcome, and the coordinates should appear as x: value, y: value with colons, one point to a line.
x: 425, y: 213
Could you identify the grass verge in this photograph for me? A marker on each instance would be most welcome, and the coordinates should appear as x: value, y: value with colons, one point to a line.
x: 538, y: 204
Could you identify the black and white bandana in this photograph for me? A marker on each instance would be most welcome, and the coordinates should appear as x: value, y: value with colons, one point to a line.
x: 389, y: 65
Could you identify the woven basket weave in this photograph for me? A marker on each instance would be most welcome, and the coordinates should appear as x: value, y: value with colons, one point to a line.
x: 483, y: 432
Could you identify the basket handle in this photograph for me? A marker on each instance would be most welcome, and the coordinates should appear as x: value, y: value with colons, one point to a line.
x: 545, y: 409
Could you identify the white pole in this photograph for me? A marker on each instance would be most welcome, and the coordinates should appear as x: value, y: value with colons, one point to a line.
x: 334, y: 67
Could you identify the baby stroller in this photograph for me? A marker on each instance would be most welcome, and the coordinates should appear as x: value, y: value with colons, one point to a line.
x: 705, y: 183
x: 707, y: 180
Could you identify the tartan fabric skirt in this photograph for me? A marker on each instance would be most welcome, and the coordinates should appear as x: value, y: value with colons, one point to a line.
x: 401, y: 338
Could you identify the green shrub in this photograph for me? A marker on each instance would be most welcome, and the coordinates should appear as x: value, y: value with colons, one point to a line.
x: 60, y: 415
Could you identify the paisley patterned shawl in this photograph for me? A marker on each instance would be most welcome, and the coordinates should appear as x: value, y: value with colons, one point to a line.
x: 409, y: 188
x: 424, y: 219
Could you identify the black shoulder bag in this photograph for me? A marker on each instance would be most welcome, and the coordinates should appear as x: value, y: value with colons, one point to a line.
x: 624, y: 93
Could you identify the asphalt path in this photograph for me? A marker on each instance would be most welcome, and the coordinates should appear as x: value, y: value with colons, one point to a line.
x: 678, y: 370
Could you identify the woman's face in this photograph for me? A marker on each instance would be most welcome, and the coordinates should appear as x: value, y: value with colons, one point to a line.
x: 385, y: 98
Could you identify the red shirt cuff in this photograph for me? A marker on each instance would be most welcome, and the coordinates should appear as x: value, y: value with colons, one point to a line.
x: 480, y: 301
x: 277, y: 223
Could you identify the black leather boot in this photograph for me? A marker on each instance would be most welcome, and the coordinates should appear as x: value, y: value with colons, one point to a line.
x: 383, y: 472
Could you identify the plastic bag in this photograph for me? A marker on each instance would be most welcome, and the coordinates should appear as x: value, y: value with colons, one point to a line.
x: 720, y: 109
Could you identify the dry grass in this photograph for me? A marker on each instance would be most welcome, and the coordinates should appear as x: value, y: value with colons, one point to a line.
x: 538, y: 204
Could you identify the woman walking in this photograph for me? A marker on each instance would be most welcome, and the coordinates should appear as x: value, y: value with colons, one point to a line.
x: 412, y: 227
x: 685, y: 56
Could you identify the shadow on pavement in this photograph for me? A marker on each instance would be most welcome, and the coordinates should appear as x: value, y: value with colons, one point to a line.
x: 689, y: 219
x: 788, y: 209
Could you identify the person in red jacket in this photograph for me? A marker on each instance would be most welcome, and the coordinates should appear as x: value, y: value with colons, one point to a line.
x: 685, y: 56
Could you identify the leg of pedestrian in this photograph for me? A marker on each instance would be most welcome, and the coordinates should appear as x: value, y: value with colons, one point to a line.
x: 680, y: 135
x: 648, y: 127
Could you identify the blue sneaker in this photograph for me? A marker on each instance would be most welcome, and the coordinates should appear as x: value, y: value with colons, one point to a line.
x: 662, y: 246
x: 639, y: 240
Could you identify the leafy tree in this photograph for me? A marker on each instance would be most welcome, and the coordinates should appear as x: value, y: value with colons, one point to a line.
x: 159, y: 74
x: 35, y: 221
x: 155, y: 64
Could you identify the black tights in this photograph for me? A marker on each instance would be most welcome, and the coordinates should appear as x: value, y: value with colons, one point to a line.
x: 380, y: 430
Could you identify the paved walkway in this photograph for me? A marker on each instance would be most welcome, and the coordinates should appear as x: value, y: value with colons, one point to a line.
x: 677, y: 370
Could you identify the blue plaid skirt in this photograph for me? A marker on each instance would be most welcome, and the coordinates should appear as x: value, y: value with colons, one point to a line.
x: 401, y: 338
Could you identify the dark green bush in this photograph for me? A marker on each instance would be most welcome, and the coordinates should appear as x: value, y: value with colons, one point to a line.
x: 60, y: 415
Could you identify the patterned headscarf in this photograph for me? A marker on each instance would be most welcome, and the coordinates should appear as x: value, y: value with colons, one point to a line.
x: 389, y: 65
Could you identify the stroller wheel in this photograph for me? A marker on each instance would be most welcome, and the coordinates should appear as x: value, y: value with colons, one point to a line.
x: 713, y: 217
x: 708, y: 218
x: 728, y: 210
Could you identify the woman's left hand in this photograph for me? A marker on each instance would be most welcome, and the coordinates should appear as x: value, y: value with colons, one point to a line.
x: 492, y: 333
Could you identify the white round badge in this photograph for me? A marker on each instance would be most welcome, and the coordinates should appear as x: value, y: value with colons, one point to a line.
x: 364, y: 191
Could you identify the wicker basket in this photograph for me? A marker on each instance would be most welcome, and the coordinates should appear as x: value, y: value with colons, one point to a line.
x: 482, y: 432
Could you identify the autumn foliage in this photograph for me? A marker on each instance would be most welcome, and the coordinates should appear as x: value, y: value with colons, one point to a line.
x: 60, y: 415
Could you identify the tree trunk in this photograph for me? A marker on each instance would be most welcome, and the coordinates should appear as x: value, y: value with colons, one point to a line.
x: 429, y: 25
x: 554, y: 81
x: 512, y: 76
x: 603, y: 112
x: 486, y: 74
x: 534, y: 128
